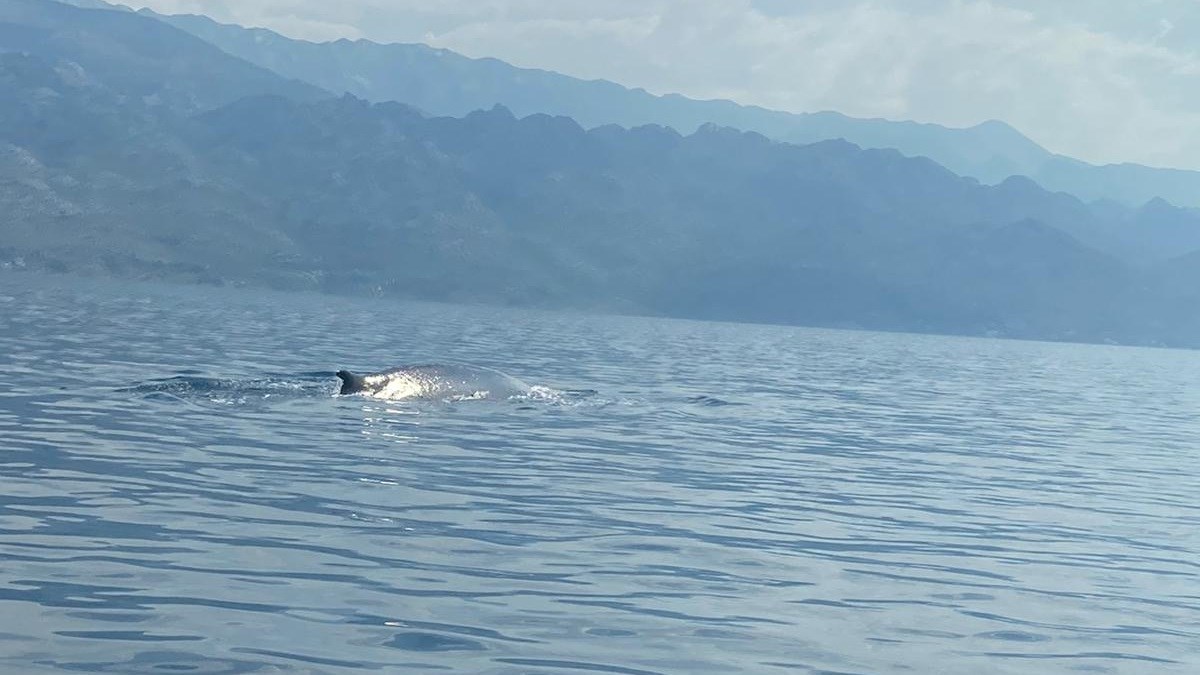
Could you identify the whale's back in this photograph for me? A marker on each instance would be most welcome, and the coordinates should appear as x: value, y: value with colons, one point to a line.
x: 434, y: 382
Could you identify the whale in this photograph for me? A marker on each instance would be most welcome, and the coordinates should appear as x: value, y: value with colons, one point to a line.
x: 433, y: 382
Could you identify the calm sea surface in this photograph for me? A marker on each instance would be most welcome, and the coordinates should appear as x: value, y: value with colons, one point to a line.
x: 181, y: 491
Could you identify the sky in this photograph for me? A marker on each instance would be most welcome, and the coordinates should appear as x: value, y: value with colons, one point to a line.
x: 1106, y: 81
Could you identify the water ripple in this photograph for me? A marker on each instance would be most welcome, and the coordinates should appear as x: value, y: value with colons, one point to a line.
x: 188, y: 494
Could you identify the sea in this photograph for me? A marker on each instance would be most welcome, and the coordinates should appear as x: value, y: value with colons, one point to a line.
x: 183, y: 490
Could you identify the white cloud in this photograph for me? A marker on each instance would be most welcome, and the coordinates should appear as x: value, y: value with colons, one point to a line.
x: 1106, y: 81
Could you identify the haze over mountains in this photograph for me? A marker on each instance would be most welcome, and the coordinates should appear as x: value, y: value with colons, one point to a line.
x: 129, y: 146
x: 442, y: 82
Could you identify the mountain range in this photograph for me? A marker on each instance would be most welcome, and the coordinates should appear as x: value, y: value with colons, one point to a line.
x: 131, y: 147
x: 442, y: 82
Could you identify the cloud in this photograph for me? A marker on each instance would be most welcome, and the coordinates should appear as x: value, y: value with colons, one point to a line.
x: 1103, y: 80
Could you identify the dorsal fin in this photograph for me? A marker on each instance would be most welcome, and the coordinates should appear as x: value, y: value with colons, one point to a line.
x: 351, y: 383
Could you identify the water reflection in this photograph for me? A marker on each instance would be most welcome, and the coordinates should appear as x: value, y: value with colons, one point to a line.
x: 724, y: 499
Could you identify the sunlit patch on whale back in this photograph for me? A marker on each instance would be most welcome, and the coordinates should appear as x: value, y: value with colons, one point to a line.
x: 449, y: 382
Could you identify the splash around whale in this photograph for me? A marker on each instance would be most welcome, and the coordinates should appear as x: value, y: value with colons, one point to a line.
x: 433, y: 383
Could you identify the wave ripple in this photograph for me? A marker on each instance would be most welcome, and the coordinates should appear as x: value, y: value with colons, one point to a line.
x: 722, y: 499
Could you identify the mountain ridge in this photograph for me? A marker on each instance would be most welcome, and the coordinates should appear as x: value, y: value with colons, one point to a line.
x: 139, y: 55
x: 344, y: 195
x: 453, y: 84
x: 289, y: 189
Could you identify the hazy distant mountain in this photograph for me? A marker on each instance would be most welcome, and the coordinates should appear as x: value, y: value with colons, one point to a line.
x: 442, y: 82
x: 138, y: 55
x: 94, y: 181
x: 339, y: 194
